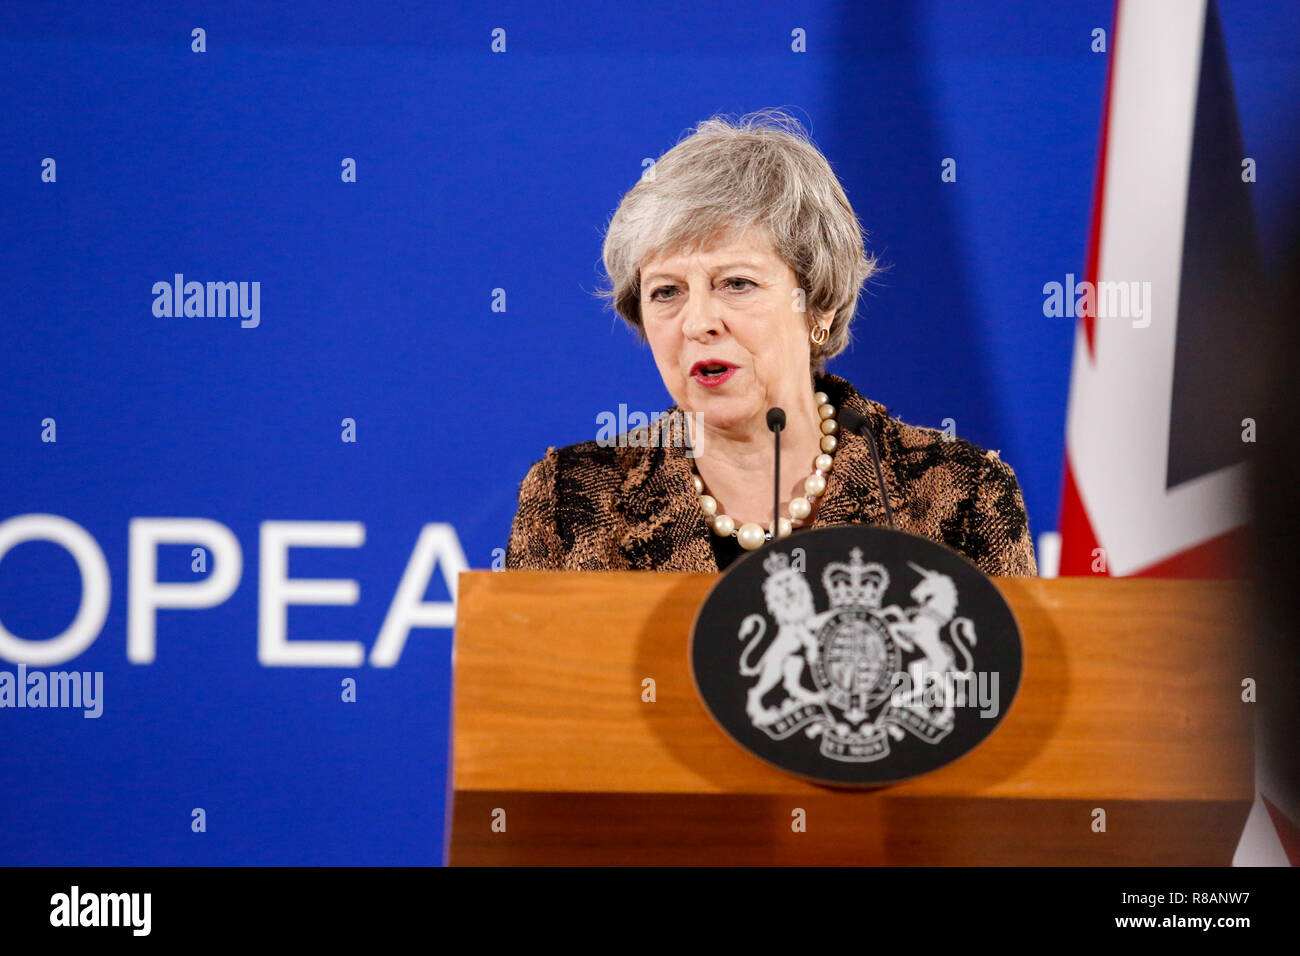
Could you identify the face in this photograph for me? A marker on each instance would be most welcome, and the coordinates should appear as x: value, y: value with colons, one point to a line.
x: 724, y: 326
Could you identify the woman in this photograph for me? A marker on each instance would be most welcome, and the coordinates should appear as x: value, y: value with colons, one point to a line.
x: 739, y: 260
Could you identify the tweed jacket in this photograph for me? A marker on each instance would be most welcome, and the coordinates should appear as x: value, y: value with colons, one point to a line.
x: 594, y: 507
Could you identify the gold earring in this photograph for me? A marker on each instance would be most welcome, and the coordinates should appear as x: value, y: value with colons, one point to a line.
x: 819, y: 335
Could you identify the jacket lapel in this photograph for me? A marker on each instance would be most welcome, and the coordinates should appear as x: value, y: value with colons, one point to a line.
x: 853, y: 495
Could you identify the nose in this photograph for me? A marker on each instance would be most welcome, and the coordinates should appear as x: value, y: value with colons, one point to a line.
x: 700, y: 318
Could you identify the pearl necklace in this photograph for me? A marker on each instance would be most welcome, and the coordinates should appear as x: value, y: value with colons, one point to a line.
x: 752, y: 536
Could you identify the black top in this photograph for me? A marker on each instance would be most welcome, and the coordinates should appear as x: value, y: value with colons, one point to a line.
x: 728, y: 549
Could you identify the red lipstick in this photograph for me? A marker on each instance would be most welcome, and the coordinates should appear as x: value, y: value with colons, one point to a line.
x: 712, y: 372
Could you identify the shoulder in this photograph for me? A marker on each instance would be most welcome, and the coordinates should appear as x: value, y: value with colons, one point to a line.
x: 581, y: 462
x: 913, y: 452
x: 587, y: 477
x: 918, y: 450
x: 964, y: 495
x: 945, y: 487
x: 956, y: 473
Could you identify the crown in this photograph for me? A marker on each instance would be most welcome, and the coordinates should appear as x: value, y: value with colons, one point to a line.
x: 786, y: 590
x: 855, y: 583
x: 776, y: 562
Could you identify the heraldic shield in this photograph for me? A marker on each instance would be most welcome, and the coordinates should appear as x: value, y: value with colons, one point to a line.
x: 856, y: 655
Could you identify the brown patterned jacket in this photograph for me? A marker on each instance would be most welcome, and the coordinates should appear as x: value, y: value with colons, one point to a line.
x: 588, y: 507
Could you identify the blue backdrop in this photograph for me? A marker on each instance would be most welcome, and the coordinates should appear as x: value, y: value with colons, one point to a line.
x: 475, y: 171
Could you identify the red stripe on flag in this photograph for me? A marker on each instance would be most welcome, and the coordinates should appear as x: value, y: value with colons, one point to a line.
x: 1077, y: 537
x: 1222, y: 557
x: 1287, y: 832
x: 1225, y: 556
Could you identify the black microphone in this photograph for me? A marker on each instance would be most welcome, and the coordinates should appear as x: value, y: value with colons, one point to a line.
x: 776, y: 422
x: 854, y: 421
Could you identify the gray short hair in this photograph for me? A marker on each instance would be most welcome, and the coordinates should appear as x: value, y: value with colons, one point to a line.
x: 725, y: 177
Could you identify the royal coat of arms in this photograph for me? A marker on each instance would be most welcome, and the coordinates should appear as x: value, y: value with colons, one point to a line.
x: 857, y: 674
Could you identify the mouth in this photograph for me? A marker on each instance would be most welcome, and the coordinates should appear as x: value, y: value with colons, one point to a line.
x: 712, y: 373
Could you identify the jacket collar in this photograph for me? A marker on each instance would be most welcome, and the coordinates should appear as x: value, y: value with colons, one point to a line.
x: 665, y: 528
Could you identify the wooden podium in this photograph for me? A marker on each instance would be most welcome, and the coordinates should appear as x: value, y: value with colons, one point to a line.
x: 1130, y: 704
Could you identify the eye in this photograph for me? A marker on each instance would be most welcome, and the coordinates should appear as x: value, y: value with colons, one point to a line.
x: 744, y: 288
x: 654, y: 295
